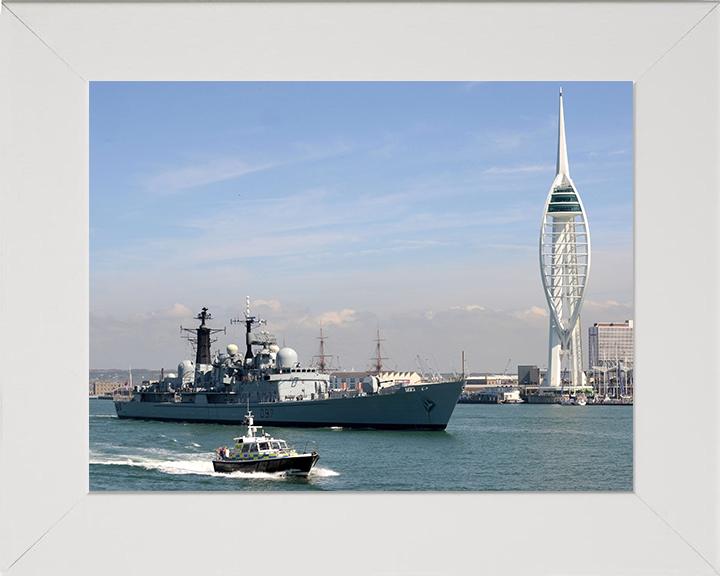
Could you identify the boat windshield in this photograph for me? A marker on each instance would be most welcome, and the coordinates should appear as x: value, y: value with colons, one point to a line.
x: 275, y: 445
x: 264, y: 446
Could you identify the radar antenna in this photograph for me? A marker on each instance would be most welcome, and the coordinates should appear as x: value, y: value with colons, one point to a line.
x: 249, y: 321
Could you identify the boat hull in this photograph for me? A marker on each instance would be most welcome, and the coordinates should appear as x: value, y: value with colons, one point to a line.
x: 422, y: 407
x: 298, y: 465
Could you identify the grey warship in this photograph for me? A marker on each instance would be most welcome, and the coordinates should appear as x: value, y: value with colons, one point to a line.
x: 271, y: 382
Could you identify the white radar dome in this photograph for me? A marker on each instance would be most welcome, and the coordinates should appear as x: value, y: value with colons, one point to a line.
x: 232, y: 349
x: 274, y: 349
x: 287, y: 358
x: 185, y: 366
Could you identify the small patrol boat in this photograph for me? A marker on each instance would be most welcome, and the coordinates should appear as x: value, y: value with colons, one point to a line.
x: 259, y: 452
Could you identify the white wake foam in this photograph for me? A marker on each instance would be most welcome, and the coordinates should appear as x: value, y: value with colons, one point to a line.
x: 201, y: 467
x: 323, y: 473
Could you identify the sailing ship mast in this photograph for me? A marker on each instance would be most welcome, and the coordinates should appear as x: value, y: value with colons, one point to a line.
x: 322, y: 365
x: 380, y: 357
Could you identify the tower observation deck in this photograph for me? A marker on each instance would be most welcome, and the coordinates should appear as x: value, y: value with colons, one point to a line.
x: 564, y: 269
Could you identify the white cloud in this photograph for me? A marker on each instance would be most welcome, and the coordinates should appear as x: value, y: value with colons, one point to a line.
x: 533, y: 313
x: 467, y: 308
x: 274, y: 305
x: 342, y: 317
x: 500, y: 170
x: 609, y: 307
x: 177, y: 311
x: 208, y: 172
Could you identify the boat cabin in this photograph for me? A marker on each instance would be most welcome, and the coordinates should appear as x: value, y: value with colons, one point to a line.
x: 258, y: 445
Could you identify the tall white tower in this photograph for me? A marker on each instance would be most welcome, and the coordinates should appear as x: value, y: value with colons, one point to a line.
x: 564, y: 268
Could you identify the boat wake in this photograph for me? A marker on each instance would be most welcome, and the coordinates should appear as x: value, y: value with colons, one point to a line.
x: 323, y: 472
x: 201, y: 467
x: 166, y: 466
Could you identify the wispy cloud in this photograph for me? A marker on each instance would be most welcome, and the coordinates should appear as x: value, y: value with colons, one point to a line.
x: 533, y: 313
x: 341, y: 317
x: 513, y: 247
x: 608, y: 306
x: 201, y: 173
x: 402, y: 246
x: 518, y: 169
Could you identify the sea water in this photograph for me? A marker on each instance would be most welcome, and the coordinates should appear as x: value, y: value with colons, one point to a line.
x: 524, y: 447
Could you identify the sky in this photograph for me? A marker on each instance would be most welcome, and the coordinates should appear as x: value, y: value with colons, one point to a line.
x: 408, y: 208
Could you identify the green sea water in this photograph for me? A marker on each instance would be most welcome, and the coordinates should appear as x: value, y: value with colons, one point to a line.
x: 485, y: 447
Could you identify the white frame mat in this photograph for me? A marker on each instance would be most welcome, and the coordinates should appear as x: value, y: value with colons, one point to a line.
x: 50, y: 524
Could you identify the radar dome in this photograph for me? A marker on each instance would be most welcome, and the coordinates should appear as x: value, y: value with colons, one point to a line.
x: 287, y: 358
x: 232, y: 349
x: 185, y: 366
x: 274, y: 349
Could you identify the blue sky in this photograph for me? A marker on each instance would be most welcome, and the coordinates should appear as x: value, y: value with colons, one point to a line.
x: 412, y: 206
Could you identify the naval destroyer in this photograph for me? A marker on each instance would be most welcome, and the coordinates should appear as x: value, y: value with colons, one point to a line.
x: 271, y: 382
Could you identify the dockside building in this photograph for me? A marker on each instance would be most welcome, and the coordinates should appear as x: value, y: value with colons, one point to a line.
x: 610, y: 342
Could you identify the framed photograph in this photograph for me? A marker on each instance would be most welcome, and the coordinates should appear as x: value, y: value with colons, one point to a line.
x: 49, y: 520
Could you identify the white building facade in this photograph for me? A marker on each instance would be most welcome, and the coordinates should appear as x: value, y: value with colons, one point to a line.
x: 610, y: 343
x: 564, y: 268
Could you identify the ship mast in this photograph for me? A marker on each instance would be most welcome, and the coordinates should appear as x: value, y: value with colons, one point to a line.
x: 202, y: 338
x: 380, y: 358
x: 249, y: 321
x: 322, y: 364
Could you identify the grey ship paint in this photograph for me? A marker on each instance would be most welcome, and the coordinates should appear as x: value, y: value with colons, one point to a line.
x: 270, y: 382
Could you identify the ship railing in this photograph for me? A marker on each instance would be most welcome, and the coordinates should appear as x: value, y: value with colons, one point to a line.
x: 309, y: 446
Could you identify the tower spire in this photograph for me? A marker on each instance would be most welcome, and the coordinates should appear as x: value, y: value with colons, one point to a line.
x: 562, y: 159
x: 564, y: 268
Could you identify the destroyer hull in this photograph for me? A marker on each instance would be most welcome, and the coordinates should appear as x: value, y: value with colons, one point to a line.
x: 424, y: 407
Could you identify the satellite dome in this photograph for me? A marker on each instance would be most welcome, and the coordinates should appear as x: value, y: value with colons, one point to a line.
x: 274, y: 348
x: 232, y: 350
x: 287, y: 358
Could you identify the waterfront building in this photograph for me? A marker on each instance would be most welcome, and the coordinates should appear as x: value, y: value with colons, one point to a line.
x: 102, y: 388
x: 610, y: 353
x: 610, y: 342
x: 564, y: 269
x: 528, y: 375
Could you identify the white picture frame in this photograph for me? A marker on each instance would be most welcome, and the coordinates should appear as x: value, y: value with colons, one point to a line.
x: 50, y: 523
